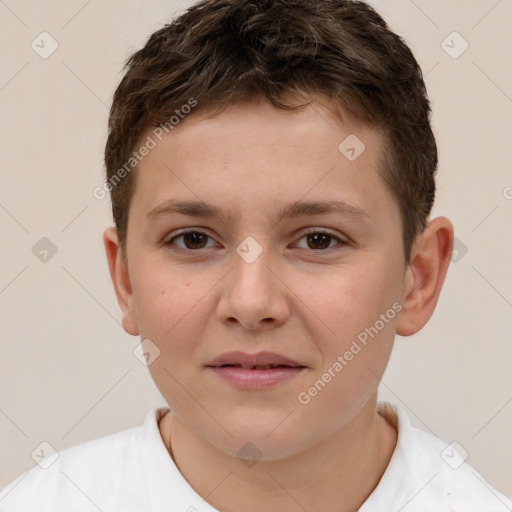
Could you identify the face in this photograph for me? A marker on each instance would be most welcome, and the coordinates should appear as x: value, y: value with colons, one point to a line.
x: 267, y: 265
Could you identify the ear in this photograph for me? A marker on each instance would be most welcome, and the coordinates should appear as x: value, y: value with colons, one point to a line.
x: 121, y: 280
x: 424, y: 276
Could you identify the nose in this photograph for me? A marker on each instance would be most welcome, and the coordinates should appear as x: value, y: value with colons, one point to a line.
x: 254, y: 294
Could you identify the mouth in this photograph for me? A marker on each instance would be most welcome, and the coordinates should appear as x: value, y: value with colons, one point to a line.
x: 258, y: 366
x: 254, y: 371
x: 259, y: 361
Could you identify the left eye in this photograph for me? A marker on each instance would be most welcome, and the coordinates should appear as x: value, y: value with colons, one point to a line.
x: 320, y: 240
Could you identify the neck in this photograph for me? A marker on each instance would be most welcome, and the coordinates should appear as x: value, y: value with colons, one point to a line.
x: 338, y: 473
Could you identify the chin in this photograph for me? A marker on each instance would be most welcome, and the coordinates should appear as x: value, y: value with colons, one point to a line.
x: 262, y: 437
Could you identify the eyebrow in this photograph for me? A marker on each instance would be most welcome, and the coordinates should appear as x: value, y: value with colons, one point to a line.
x: 293, y: 210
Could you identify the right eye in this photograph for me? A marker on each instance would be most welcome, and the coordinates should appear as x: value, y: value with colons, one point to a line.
x: 193, y: 240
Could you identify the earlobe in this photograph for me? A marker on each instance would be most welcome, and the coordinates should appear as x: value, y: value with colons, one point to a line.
x: 121, y: 280
x: 425, y: 275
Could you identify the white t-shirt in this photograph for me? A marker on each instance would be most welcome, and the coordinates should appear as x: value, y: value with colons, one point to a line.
x: 132, y: 471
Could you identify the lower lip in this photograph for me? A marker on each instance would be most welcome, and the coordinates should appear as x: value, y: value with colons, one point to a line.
x: 256, y: 379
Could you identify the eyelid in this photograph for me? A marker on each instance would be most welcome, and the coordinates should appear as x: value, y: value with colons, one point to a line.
x: 326, y: 232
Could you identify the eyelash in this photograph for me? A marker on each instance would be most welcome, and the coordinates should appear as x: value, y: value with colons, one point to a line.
x: 183, y: 232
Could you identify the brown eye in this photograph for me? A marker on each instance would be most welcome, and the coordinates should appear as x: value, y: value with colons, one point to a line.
x: 320, y: 240
x: 192, y: 240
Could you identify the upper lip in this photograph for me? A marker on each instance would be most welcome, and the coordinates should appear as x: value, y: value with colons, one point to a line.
x: 251, y: 360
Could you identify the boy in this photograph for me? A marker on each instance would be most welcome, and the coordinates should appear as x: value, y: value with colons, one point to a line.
x: 271, y: 169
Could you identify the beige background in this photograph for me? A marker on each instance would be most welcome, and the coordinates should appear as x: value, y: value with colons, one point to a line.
x: 67, y: 372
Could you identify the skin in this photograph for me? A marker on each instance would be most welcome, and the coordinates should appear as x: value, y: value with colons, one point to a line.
x: 303, y: 297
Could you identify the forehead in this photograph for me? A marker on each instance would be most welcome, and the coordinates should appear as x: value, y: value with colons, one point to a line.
x: 253, y: 151
x: 320, y: 125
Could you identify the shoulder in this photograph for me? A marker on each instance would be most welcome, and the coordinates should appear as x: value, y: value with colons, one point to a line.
x: 79, y: 478
x: 434, y: 474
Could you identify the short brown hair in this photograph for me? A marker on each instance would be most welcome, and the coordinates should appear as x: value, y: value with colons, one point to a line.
x: 219, y: 52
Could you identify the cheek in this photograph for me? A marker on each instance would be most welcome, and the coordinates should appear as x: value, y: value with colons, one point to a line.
x: 355, y: 357
x: 358, y: 306
x: 165, y: 302
x: 352, y: 299
x: 172, y: 314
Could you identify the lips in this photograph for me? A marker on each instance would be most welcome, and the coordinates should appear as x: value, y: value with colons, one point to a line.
x: 257, y: 366
x: 254, y: 371
x: 260, y: 361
